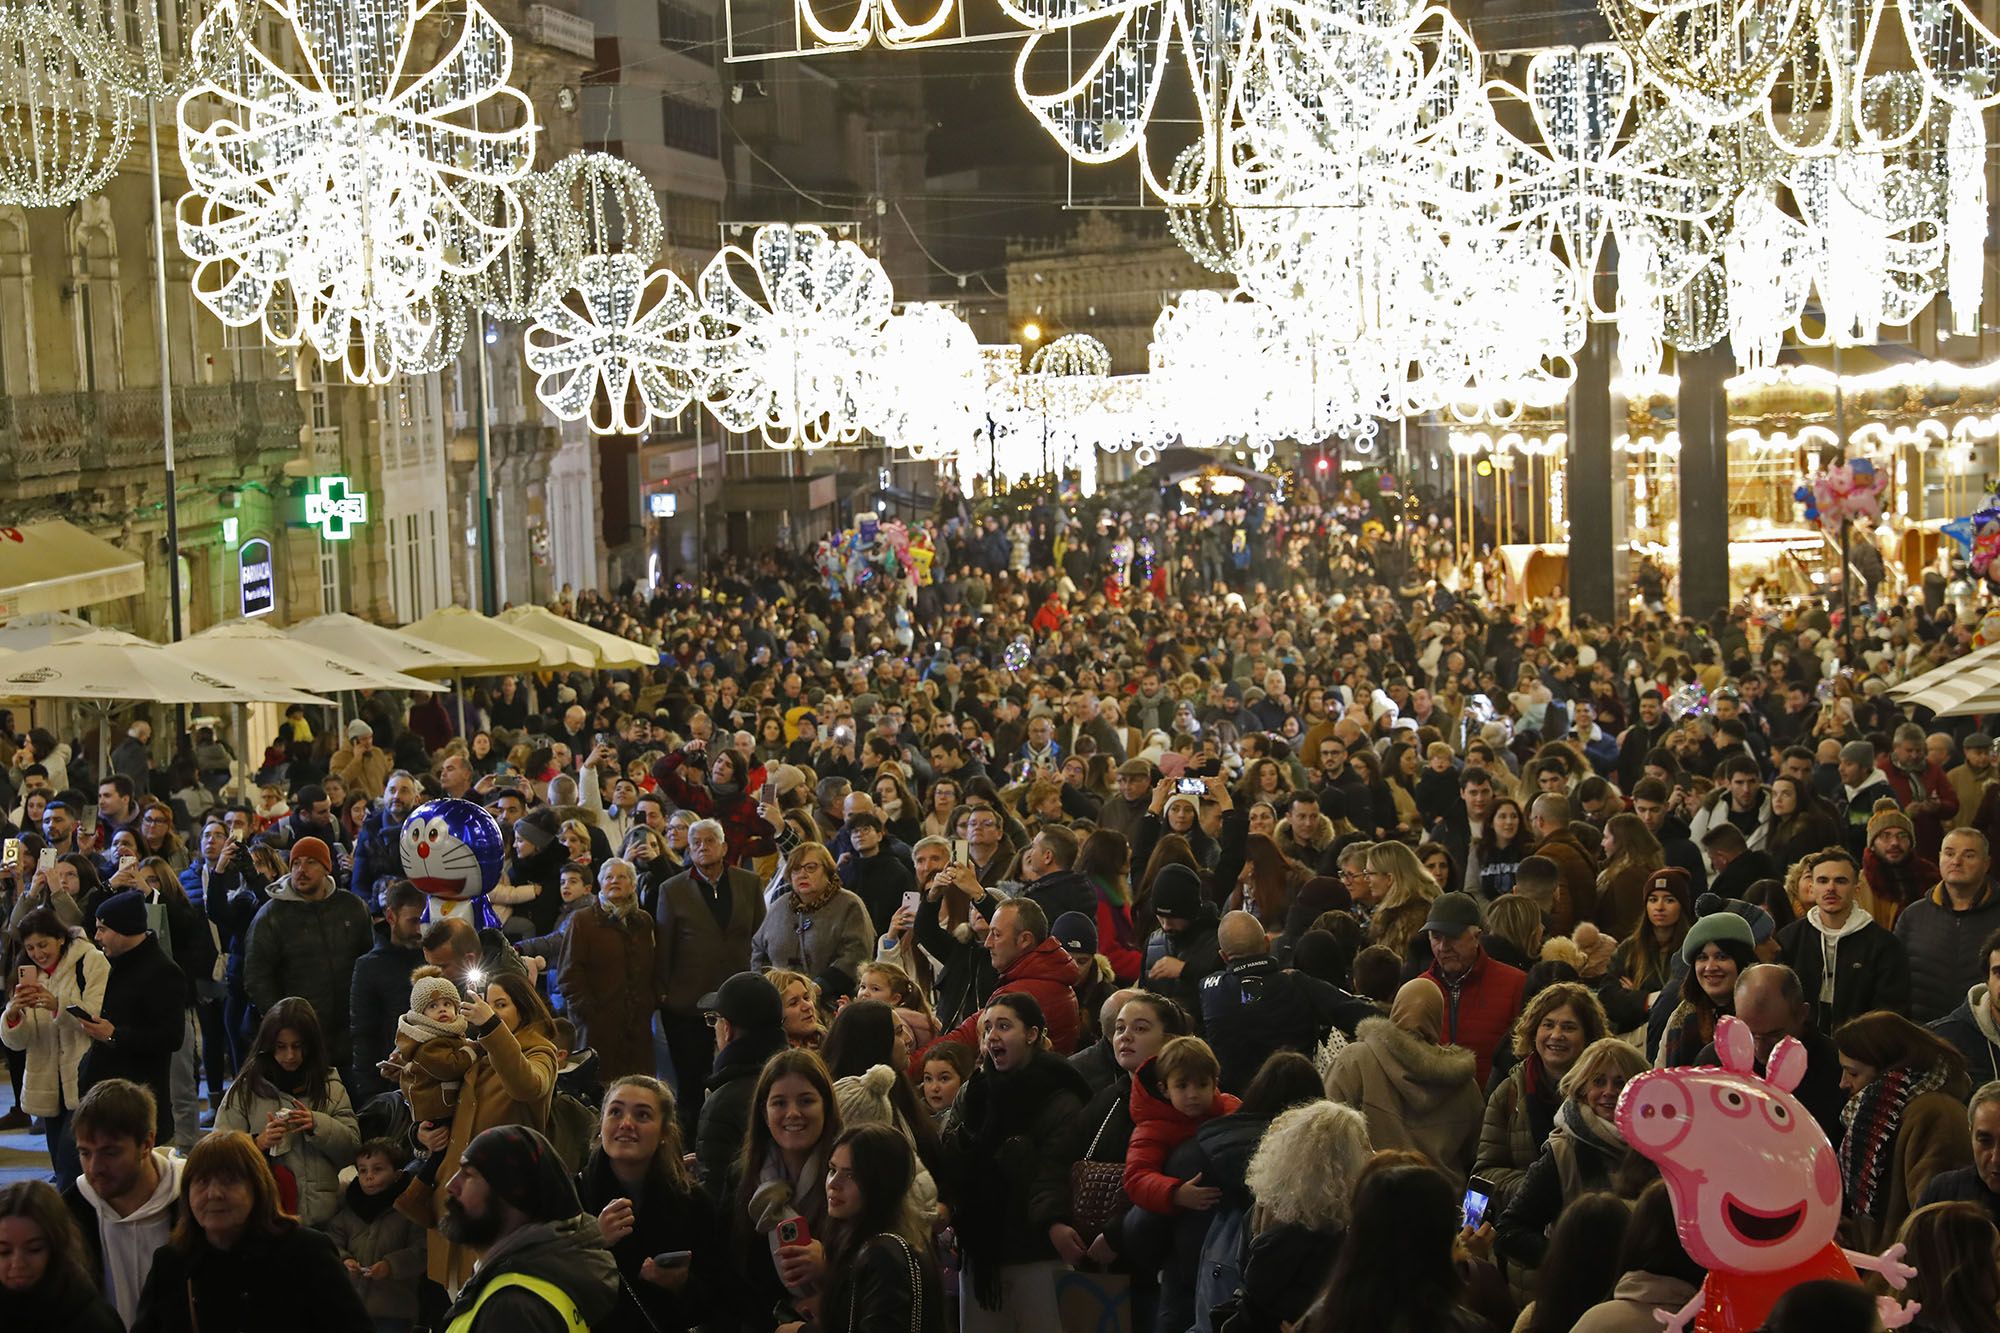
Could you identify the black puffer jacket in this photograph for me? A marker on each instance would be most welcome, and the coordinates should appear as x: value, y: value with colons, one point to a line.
x: 1008, y: 1164
x: 295, y: 1275
x: 1581, y: 1156
x: 1943, y: 946
x: 144, y: 1005
x: 377, y: 996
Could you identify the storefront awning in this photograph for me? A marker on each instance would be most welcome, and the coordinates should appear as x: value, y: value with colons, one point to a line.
x: 57, y: 566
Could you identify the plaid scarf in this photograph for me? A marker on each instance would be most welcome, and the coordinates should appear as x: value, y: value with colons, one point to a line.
x: 1873, y: 1117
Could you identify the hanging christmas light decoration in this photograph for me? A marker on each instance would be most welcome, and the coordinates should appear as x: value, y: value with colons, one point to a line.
x: 150, y: 48
x: 351, y: 177
x: 790, y: 328
x: 1717, y: 58
x: 63, y: 129
x: 928, y: 383
x: 620, y: 350
x: 873, y: 22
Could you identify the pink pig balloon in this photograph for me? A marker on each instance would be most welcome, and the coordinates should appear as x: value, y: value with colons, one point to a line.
x: 1755, y: 1184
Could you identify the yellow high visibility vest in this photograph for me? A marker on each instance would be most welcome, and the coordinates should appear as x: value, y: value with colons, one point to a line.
x: 542, y: 1287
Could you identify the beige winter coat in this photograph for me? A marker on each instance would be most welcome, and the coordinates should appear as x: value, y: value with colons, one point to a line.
x: 55, y: 1042
x: 1413, y: 1093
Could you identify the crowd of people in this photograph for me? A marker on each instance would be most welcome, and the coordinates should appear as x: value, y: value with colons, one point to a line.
x: 1231, y: 919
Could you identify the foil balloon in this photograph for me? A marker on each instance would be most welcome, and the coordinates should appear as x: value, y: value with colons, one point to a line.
x: 1755, y: 1185
x: 1688, y: 701
x: 452, y: 850
x: 1017, y: 654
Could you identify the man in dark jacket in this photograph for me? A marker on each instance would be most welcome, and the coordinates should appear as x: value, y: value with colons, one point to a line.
x: 749, y: 1030
x: 1048, y: 879
x: 965, y: 974
x: 1736, y: 863
x: 1943, y: 931
x: 543, y: 1265
x: 1253, y: 1008
x: 1549, y: 819
x: 378, y: 845
x: 380, y: 990
x: 1979, y: 1183
x: 1183, y: 950
x: 1848, y: 964
x: 141, y: 1026
x: 305, y: 942
x: 1974, y: 1027
x: 878, y: 879
x: 1122, y: 812
x: 703, y: 922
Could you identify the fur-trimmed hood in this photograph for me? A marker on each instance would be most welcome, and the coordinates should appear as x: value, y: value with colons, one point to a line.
x: 1421, y: 1070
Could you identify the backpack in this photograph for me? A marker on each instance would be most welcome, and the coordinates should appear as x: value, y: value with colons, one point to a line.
x: 572, y: 1126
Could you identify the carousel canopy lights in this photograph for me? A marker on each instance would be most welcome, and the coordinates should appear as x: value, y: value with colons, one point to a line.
x: 332, y: 194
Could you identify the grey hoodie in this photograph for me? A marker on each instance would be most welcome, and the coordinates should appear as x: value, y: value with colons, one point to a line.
x: 570, y: 1254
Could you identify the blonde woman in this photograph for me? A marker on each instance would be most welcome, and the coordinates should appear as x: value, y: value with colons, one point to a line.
x: 1403, y: 892
x: 1631, y: 855
x: 1302, y: 1178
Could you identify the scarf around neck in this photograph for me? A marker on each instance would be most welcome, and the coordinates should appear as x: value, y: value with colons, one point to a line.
x: 1873, y: 1117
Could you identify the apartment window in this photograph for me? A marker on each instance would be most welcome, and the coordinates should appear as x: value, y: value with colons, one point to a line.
x: 692, y: 223
x: 689, y: 126
x: 684, y: 26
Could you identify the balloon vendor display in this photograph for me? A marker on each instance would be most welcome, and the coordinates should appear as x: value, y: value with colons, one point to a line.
x: 1754, y: 1182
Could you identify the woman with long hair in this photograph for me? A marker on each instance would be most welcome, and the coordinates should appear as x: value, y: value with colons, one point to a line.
x: 1265, y: 885
x: 1801, y: 823
x: 901, y: 815
x: 158, y: 836
x: 1717, y: 949
x: 865, y: 1035
x: 794, y: 1121
x: 68, y: 971
x: 1644, y: 960
x: 1554, y: 1028
x: 510, y: 1084
x: 1503, y: 844
x: 1403, y: 892
x: 191, y: 946
x: 45, y: 1277
x: 1631, y: 855
x: 1013, y: 1114
x: 647, y: 1203
x: 289, y: 1098
x: 877, y: 1270
x: 1105, y: 862
x: 1905, y: 1117
x: 1655, y: 1274
x: 1581, y: 1266
x: 1367, y: 767
x: 1396, y: 1272
x: 1956, y: 1253
x: 237, y: 1262
x: 1402, y: 768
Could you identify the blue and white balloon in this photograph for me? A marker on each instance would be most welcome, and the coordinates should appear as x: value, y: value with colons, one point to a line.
x: 453, y: 849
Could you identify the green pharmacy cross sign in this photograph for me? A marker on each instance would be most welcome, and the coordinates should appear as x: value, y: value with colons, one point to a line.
x: 334, y: 509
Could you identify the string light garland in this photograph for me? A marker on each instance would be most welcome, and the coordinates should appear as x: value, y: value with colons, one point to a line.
x: 148, y: 48
x: 620, y: 350
x: 63, y: 129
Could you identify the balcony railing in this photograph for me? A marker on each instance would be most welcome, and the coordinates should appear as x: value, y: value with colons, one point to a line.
x: 51, y: 439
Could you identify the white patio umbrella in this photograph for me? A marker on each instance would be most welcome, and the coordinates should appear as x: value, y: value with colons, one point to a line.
x: 363, y: 641
x: 38, y: 630
x: 1978, y: 657
x: 1955, y: 688
x: 611, y: 652
x: 108, y: 668
x: 252, y: 648
x: 502, y: 647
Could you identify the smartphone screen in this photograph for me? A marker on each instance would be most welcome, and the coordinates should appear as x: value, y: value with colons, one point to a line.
x: 128, y: 863
x: 1191, y: 787
x: 1475, y: 1208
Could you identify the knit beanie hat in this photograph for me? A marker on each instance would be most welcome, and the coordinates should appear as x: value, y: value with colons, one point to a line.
x: 523, y: 1169
x: 1889, y: 815
x: 863, y: 1099
x: 312, y: 849
x: 1725, y: 928
x: 124, y: 913
x: 426, y: 991
x: 537, y: 828
x: 1176, y: 892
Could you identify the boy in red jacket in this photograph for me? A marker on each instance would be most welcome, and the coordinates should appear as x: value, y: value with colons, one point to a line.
x: 1172, y: 1095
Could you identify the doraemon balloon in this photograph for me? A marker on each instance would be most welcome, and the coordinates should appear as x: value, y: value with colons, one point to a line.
x: 452, y: 850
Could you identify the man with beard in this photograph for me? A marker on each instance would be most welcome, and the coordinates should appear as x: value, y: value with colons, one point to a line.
x: 1921, y: 788
x: 1652, y: 729
x: 544, y: 1267
x: 1896, y: 875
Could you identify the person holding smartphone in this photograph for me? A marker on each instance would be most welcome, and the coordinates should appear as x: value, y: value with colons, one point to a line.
x: 658, y: 1222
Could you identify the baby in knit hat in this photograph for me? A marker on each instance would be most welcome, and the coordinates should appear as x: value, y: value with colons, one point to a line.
x: 433, y: 1054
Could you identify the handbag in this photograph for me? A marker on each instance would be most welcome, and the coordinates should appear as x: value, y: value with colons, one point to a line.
x: 916, y: 1287
x: 1095, y: 1187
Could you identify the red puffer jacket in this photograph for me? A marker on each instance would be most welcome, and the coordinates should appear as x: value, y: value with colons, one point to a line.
x: 1049, y: 974
x: 1157, y: 1129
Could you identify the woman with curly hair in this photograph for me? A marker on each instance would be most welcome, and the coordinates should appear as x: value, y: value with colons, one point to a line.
x: 1554, y: 1028
x: 1302, y: 1177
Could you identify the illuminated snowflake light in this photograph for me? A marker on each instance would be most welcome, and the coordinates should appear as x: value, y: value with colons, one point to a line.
x: 331, y: 194
x: 619, y: 350
x: 793, y: 325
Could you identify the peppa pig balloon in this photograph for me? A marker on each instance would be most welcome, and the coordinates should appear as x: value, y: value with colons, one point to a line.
x: 452, y: 850
x: 1754, y: 1183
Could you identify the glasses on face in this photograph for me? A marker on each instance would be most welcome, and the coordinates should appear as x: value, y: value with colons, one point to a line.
x: 711, y: 1018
